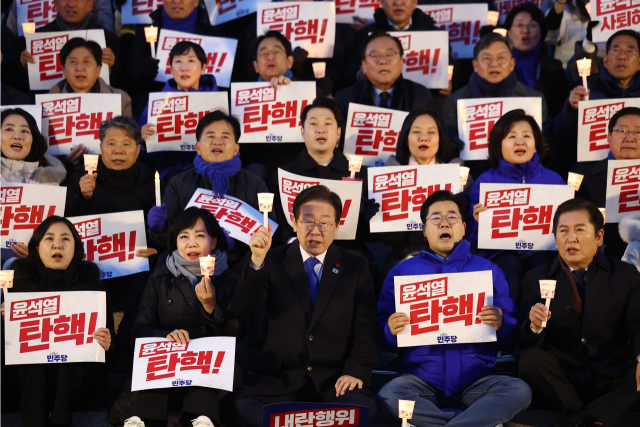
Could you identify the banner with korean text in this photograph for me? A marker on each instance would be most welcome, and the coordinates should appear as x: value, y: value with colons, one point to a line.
x: 176, y: 116
x: 372, y: 132
x: 137, y: 11
x: 221, y: 53
x: 519, y: 216
x: 45, y: 48
x: 444, y: 308
x: 269, y: 115
x: 623, y: 189
x: 476, y: 117
x: 505, y: 6
x: 401, y: 191
x: 614, y: 15
x: 51, y: 327
x: 299, y: 414
x: 40, y: 12
x: 350, y: 192
x: 204, y: 362
x: 347, y: 9
x: 426, y: 59
x: 221, y: 11
x: 24, y: 206
x: 69, y: 119
x: 34, y: 110
x: 309, y: 25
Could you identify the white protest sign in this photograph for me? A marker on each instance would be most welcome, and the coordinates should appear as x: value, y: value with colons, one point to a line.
x: 176, y: 116
x: 614, y: 15
x: 444, y: 308
x: 51, y: 327
x: 350, y: 192
x: 237, y: 218
x: 462, y: 22
x: 504, y: 6
x: 426, y: 59
x: 45, y: 48
x: 137, y: 11
x: 221, y: 53
x: 401, y: 191
x: 309, y: 25
x: 40, y: 12
x: 623, y: 181
x: 221, y: 11
x: 476, y: 117
x: 347, y: 9
x: 204, y: 362
x: 269, y: 115
x: 34, y: 110
x: 519, y: 216
x: 24, y: 206
x: 372, y: 132
x: 69, y: 119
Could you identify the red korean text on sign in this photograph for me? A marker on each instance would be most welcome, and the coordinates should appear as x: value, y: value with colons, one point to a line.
x: 628, y: 178
x: 285, y: 20
x: 280, y: 14
x: 229, y: 210
x: 467, y: 32
x: 621, y: 20
x: 106, y: 246
x: 504, y: 6
x: 441, y: 16
x: 144, y: 7
x: 89, y: 228
x: 481, y: 118
x: 162, y: 347
x: 326, y: 417
x: 506, y: 198
x: 33, y: 308
x: 10, y: 195
x: 165, y: 365
x: 225, y: 6
x: 374, y: 134
x: 532, y: 217
x: 40, y: 12
x: 291, y: 189
x: 215, y: 62
x: 349, y: 7
x: 47, y: 55
x: 258, y: 118
x: 597, y: 118
x: 24, y: 217
x: 174, y: 119
x: 67, y: 122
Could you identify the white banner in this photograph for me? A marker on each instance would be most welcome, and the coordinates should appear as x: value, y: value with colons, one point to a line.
x: 347, y: 9
x: 614, y: 15
x: 462, y: 22
x: 504, y: 6
x: 401, y: 191
x: 350, y: 192
x: 426, y: 59
x: 137, y: 11
x: 176, y: 116
x: 623, y: 181
x: 309, y: 25
x: 24, y: 206
x: 51, y: 327
x: 269, y: 115
x: 372, y: 132
x: 221, y: 11
x: 444, y: 307
x: 221, y: 53
x: 237, y: 218
x: 477, y: 116
x: 520, y: 216
x: 204, y: 362
x: 45, y: 48
x: 40, y: 12
x: 34, y: 110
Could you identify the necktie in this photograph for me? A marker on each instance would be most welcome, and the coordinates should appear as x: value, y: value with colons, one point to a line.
x: 313, y: 279
x: 384, y: 98
x: 580, y: 281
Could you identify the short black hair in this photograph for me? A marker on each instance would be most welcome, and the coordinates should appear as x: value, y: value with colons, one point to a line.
x: 183, y: 47
x: 42, y: 229
x: 378, y: 35
x: 502, y: 128
x: 575, y: 205
x: 218, y: 116
x: 535, y: 13
x: 630, y: 33
x: 39, y: 145
x: 442, y: 196
x: 317, y: 193
x: 627, y: 111
x: 125, y: 124
x: 77, y: 42
x: 188, y: 219
x: 271, y: 34
x: 487, y: 40
x: 322, y: 102
x: 443, y: 155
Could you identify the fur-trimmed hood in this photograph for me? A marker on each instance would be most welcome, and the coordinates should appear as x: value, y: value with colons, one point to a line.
x: 629, y: 228
x: 31, y: 173
x: 27, y: 271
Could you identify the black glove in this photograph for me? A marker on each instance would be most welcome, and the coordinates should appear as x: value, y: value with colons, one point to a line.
x: 299, y: 56
x: 149, y: 68
x: 369, y: 208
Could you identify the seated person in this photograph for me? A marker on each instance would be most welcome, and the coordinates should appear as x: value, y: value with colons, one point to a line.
x: 461, y: 376
x: 586, y: 361
x: 321, y: 340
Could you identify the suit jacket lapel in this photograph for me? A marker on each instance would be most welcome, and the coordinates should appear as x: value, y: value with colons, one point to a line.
x: 327, y: 281
x: 294, y: 267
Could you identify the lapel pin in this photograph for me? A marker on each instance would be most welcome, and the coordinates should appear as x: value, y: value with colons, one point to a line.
x: 335, y: 269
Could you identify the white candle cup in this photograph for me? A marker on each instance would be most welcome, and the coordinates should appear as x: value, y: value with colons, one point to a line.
x: 207, y: 265
x: 575, y: 179
x: 405, y: 409
x: 6, y: 279
x: 464, y: 176
x: 265, y: 203
x: 492, y: 17
x: 157, y: 179
x: 547, y: 291
x: 501, y: 31
x: 450, y: 72
x: 602, y: 211
x: 355, y: 164
x: 91, y: 162
x: 28, y: 27
x: 151, y: 34
x: 584, y: 70
x: 319, y: 69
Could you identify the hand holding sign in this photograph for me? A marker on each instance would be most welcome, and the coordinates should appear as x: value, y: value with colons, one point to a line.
x: 206, y: 294
x: 259, y: 244
x: 397, y: 322
x: 179, y: 335
x: 20, y: 249
x: 491, y: 315
x: 103, y: 336
x: 476, y: 211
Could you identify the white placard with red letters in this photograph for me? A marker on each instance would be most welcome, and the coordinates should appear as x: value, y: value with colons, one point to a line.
x: 176, y: 116
x: 347, y: 9
x: 462, y: 22
x: 623, y: 184
x: 111, y: 241
x: 309, y: 25
x: 350, y: 192
x: 519, y: 216
x: 372, y: 132
x: 203, y: 362
x: 237, y: 218
x: 35, y: 111
x: 614, y: 15
x: 221, y: 11
x: 45, y: 48
x: 221, y: 53
x: 444, y: 308
x: 401, y: 191
x: 69, y: 119
x: 137, y: 11
x: 269, y: 115
x: 40, y: 12
x: 476, y: 117
x: 426, y: 57
x: 24, y: 206
x: 504, y: 6
x: 54, y: 327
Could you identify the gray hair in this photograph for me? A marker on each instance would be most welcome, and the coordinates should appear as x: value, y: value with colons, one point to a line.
x: 124, y: 123
x: 486, y: 41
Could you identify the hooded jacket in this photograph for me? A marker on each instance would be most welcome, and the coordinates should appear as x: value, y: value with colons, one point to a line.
x: 32, y: 173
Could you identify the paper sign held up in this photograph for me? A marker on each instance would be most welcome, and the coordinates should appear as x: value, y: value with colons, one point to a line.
x: 426, y: 59
x: 623, y: 194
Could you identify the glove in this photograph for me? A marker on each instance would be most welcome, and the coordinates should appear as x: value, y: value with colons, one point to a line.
x: 157, y: 217
x: 149, y: 68
x: 299, y: 56
x: 369, y: 208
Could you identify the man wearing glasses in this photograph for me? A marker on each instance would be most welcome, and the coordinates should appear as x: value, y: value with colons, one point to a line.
x: 321, y: 339
x: 460, y: 376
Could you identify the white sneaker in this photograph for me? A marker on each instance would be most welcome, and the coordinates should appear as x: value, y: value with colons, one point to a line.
x: 133, y: 422
x: 202, y: 421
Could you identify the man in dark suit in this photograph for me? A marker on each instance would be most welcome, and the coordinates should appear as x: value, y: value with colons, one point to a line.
x: 321, y: 340
x: 582, y: 362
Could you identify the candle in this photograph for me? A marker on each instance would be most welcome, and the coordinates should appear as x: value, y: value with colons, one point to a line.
x: 151, y: 34
x: 265, y: 203
x: 90, y: 162
x: 207, y: 265
x: 584, y: 70
x: 355, y: 164
x: 450, y: 71
x: 319, y: 69
x: 547, y: 291
x: 28, y: 27
x: 405, y: 409
x: 602, y: 210
x: 6, y: 279
x: 464, y: 176
x: 492, y: 18
x: 575, y: 179
x: 501, y: 31
x: 158, y: 201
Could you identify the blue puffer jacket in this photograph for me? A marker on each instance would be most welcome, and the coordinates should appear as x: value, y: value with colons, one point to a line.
x: 449, y: 367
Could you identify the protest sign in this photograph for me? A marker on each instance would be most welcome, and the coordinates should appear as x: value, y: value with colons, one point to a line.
x: 505, y: 6
x: 350, y: 192
x: 34, y: 110
x: 613, y: 16
x: 221, y: 11
x: 309, y: 25
x: 476, y: 117
x: 347, y: 9
x: 623, y: 181
x: 269, y: 115
x: 314, y: 415
x: 24, y: 206
x: 443, y: 308
x: 51, y: 327
x: 203, y: 362
x: 426, y: 59
x: 519, y: 216
x: 237, y: 218
x: 137, y: 11
x: 40, y: 12
x: 176, y: 116
x: 401, y: 191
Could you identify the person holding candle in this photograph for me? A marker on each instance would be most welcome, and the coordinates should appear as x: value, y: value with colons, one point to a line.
x: 567, y: 21
x: 584, y: 362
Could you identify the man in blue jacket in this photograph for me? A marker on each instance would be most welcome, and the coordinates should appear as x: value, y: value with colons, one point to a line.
x: 461, y: 376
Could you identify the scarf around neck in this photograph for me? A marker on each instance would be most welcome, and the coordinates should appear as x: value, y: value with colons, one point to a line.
x: 481, y: 88
x: 527, y: 65
x: 82, y: 25
x: 191, y: 269
x: 186, y: 25
x: 122, y: 180
x: 218, y: 173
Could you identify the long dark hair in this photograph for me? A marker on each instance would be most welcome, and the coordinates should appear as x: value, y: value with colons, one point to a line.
x: 443, y: 155
x: 502, y: 128
x: 188, y: 219
x: 42, y: 229
x: 39, y: 144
